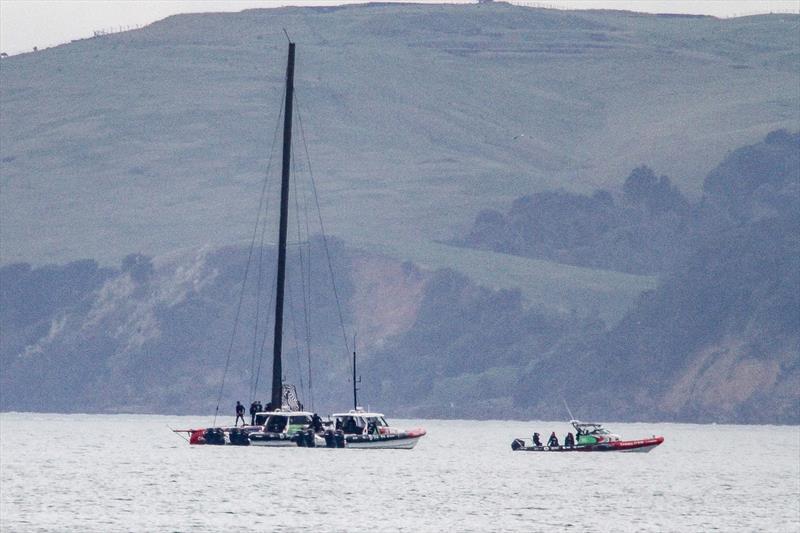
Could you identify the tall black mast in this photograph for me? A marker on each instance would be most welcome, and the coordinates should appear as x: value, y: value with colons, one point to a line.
x: 355, y: 381
x: 355, y: 386
x: 277, y: 378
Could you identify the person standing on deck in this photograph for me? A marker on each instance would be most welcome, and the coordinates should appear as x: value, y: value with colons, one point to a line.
x: 239, y: 414
x: 253, y: 411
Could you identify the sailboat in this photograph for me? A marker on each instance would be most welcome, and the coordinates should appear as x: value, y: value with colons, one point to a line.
x: 288, y: 424
x: 284, y: 423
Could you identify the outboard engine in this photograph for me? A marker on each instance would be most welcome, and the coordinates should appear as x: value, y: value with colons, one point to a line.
x: 517, y: 444
x: 330, y: 440
x: 304, y: 438
x: 214, y: 436
x: 239, y: 437
x: 308, y: 436
x: 338, y: 438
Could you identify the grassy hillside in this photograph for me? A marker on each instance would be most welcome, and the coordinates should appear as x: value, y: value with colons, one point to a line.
x: 417, y: 117
x: 547, y: 285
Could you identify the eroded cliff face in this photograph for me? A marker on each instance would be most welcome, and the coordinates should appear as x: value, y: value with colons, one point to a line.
x: 153, y: 337
x: 154, y: 334
x: 722, y: 380
x: 387, y: 297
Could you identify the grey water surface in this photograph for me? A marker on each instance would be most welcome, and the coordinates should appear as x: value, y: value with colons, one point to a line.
x: 130, y: 473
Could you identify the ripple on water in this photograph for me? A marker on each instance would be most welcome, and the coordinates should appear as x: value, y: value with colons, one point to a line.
x: 451, y: 481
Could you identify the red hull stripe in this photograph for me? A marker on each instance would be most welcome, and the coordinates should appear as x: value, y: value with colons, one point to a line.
x: 632, y: 444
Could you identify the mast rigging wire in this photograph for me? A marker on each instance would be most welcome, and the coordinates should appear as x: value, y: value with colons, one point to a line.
x: 247, y: 266
x: 296, y: 339
x: 259, y: 279
x: 264, y: 337
x: 305, y: 287
x: 324, y: 237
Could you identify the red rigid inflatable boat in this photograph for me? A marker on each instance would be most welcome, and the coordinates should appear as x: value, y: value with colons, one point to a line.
x: 591, y: 437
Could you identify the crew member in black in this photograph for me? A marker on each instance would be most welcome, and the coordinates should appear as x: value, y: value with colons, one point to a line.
x: 569, y: 440
x: 239, y: 414
x: 350, y: 426
x: 253, y: 411
x: 316, y: 423
x: 553, y: 439
x: 536, y: 441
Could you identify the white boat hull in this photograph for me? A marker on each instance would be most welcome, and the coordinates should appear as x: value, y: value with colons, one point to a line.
x: 396, y: 444
x: 403, y: 440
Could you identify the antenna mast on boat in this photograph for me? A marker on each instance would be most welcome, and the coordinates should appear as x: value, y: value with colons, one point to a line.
x: 277, y: 370
x: 355, y: 381
x: 571, y: 418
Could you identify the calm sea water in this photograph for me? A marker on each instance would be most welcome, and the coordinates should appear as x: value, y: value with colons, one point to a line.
x: 130, y: 473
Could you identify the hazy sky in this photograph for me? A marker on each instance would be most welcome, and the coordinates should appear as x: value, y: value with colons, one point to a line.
x: 28, y: 23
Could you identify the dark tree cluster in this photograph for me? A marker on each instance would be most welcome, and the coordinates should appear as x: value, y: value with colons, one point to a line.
x: 649, y: 226
x: 641, y: 230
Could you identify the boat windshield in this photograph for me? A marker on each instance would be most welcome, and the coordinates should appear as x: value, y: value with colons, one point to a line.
x: 377, y: 421
x: 588, y: 428
x: 276, y: 423
x: 351, y: 424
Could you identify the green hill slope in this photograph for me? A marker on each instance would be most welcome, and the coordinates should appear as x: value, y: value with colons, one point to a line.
x: 417, y: 117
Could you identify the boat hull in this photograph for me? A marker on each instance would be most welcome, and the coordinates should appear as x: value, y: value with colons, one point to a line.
x: 278, y: 440
x: 640, y: 446
x: 251, y: 436
x: 255, y: 440
x: 217, y: 436
x: 395, y: 444
x: 404, y: 440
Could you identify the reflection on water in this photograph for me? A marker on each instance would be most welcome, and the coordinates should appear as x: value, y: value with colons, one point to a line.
x: 130, y: 473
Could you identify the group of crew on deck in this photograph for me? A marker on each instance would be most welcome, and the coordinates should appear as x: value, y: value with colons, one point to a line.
x: 569, y: 440
x: 257, y: 407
